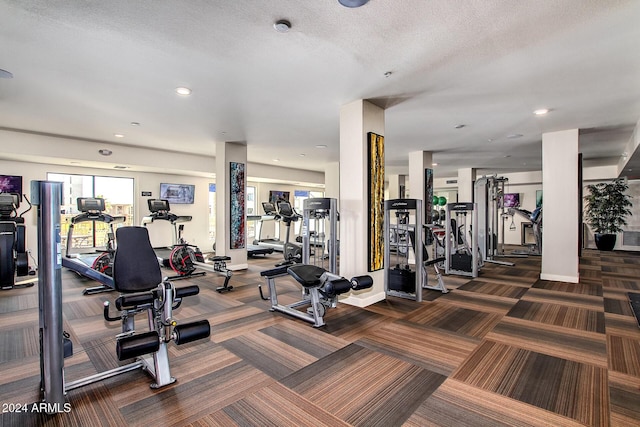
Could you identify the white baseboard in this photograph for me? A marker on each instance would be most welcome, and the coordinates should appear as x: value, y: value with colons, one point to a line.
x: 364, y: 302
x: 238, y: 267
x: 558, y: 278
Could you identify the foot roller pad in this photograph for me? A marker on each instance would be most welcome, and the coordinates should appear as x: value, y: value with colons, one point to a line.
x: 337, y: 287
x: 361, y: 282
x: 191, y: 331
x: 137, y: 345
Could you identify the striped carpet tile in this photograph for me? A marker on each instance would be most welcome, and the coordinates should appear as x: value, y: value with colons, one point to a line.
x: 458, y: 404
x: 443, y: 315
x: 364, y: 387
x: 276, y: 406
x: 559, y: 315
x: 579, y: 346
x: 417, y: 344
x: 575, y: 390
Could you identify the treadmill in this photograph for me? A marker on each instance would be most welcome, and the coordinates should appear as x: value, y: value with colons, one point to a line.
x: 254, y: 250
x: 96, y: 264
x: 270, y: 214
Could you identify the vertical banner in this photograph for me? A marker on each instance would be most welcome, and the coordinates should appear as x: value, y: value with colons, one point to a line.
x: 237, y: 200
x: 428, y: 203
x: 376, y: 201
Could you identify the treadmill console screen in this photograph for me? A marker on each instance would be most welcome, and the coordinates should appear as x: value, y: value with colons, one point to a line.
x: 90, y: 204
x: 158, y: 205
x: 269, y: 208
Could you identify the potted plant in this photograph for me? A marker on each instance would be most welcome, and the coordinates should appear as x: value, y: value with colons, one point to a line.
x: 607, y: 207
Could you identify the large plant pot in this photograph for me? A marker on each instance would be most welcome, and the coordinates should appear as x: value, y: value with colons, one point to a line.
x: 605, y: 242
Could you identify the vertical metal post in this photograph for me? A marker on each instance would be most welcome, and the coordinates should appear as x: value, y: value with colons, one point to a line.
x: 333, y: 238
x: 47, y: 195
x: 417, y: 250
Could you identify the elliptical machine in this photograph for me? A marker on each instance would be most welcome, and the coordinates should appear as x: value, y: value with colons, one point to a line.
x: 292, y: 252
x: 14, y: 258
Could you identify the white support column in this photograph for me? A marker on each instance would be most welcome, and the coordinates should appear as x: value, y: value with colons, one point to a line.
x: 227, y: 152
x: 560, y: 206
x: 393, y: 191
x: 332, y: 180
x: 356, y: 120
x: 466, y: 178
x: 418, y: 162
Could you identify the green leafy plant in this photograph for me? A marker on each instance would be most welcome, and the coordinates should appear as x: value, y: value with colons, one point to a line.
x: 608, y: 206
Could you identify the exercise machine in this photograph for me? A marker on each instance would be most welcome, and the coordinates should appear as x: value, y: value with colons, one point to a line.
x: 320, y: 233
x: 292, y: 252
x: 92, y: 210
x: 535, y: 217
x: 138, y: 279
x: 489, y: 197
x: 270, y: 214
x: 254, y: 250
x: 404, y: 231
x: 462, y: 255
x: 184, y: 259
x: 14, y: 257
x: 320, y: 290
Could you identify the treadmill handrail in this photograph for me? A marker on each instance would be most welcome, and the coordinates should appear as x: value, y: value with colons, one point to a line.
x: 98, y: 216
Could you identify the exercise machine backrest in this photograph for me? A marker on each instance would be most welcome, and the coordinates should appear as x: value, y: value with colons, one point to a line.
x: 135, y: 265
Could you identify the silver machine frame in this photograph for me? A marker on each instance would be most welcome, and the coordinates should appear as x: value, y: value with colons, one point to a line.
x: 451, y: 240
x: 47, y: 196
x: 489, y: 197
x: 317, y: 303
x: 400, y: 237
x: 320, y: 242
x: 410, y: 208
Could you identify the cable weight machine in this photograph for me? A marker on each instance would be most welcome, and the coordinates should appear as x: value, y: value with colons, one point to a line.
x: 461, y: 254
x: 405, y: 279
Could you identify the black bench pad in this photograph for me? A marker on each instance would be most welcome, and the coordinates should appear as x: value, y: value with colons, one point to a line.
x: 307, y: 275
x: 219, y: 258
x: 278, y: 271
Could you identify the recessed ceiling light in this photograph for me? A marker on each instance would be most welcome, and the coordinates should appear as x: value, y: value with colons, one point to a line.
x: 118, y: 135
x: 514, y: 135
x: 388, y: 74
x: 507, y: 156
x: 434, y: 164
x: 321, y: 146
x: 135, y: 123
x: 541, y: 111
x: 282, y: 26
x: 4, y: 74
x: 120, y: 167
x: 302, y: 154
x: 460, y: 126
x: 184, y: 91
x: 353, y: 3
x: 276, y: 160
x: 105, y: 152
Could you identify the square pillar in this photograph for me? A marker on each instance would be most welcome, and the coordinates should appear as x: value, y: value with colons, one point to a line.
x: 466, y: 179
x: 227, y: 152
x: 357, y: 119
x: 560, y: 206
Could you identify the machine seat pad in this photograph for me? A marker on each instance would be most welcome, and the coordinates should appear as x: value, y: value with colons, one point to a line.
x: 134, y: 300
x: 307, y: 275
x: 219, y: 258
x: 435, y: 261
x: 278, y: 271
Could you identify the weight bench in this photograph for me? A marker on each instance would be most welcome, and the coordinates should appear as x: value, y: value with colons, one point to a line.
x: 320, y: 290
x: 138, y: 279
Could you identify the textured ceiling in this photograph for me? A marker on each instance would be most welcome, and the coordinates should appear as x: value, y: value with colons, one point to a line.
x: 87, y: 69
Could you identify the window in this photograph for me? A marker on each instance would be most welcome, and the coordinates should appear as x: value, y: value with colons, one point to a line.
x: 117, y: 194
x: 212, y: 212
x: 251, y: 210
